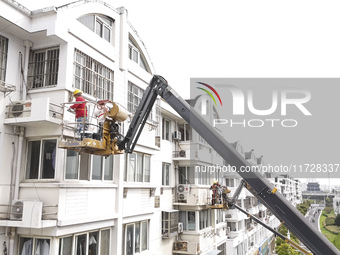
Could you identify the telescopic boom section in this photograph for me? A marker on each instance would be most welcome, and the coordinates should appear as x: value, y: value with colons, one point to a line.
x: 259, y: 185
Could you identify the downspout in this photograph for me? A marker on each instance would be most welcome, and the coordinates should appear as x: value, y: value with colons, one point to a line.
x: 28, y: 44
x: 11, y: 241
x: 20, y: 131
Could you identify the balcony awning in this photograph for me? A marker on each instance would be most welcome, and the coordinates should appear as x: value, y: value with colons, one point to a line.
x: 214, y: 252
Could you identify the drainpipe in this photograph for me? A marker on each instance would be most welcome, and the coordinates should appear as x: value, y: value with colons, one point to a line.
x: 11, y: 241
x: 20, y: 131
x: 28, y: 44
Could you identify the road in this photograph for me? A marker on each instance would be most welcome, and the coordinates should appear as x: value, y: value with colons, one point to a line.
x: 313, y: 216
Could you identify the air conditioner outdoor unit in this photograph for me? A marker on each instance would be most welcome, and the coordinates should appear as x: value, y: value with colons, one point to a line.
x: 27, y: 211
x: 182, y: 153
x: 228, y: 216
x: 183, y: 188
x: 180, y: 227
x: 177, y: 135
x: 181, y: 246
x: 19, y: 109
x: 187, y: 247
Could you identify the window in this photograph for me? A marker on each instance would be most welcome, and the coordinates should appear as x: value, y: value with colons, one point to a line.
x: 43, y: 68
x: 185, y: 130
x: 222, y: 248
x: 3, y: 57
x: 230, y: 182
x: 165, y: 174
x: 34, y: 245
x: 138, y: 168
x: 94, y: 242
x: 41, y: 159
x: 186, y: 175
x: 170, y: 223
x: 135, y: 95
x: 92, y: 77
x: 78, y: 167
x: 99, y: 24
x: 158, y: 117
x: 188, y: 219
x: 136, y: 237
x: 202, y: 175
x: 218, y: 216
x: 204, y: 218
x: 166, y: 129
x: 136, y: 55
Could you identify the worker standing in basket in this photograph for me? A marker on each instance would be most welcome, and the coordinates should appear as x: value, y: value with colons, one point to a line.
x: 215, y: 196
x: 99, y: 113
x: 81, y: 112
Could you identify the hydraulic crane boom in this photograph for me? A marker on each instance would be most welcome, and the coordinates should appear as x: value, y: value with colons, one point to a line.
x: 258, y: 185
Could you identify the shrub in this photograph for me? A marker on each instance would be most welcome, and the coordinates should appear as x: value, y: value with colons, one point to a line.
x: 328, y: 210
x: 337, y: 220
x: 333, y: 229
x: 330, y: 221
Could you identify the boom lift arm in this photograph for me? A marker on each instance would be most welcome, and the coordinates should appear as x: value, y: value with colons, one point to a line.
x: 259, y: 186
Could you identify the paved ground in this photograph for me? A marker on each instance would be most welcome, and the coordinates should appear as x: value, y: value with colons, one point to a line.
x: 313, y: 216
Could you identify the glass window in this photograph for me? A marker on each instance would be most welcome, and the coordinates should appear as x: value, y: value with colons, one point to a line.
x: 135, y: 95
x: 41, y: 159
x: 191, y: 221
x: 71, y: 165
x: 186, y: 175
x: 92, y: 77
x: 185, y: 130
x: 34, y: 245
x: 65, y: 245
x: 105, y: 242
x: 3, y: 57
x: 136, y: 238
x: 166, y: 129
x: 136, y: 55
x: 129, y: 239
x: 43, y: 68
x: 138, y: 168
x: 81, y: 243
x: 108, y: 168
x: 165, y: 174
x: 97, y: 167
x: 204, y: 218
x: 99, y: 24
x: 147, y: 168
x: 93, y: 243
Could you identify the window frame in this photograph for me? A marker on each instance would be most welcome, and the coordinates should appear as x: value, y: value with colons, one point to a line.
x: 146, y: 178
x: 92, y: 77
x: 40, y: 161
x: 34, y: 240
x: 3, y: 58
x: 89, y: 171
x: 166, y: 175
x: 43, y: 73
x: 166, y: 133
x: 74, y: 244
x: 141, y: 240
x: 104, y: 21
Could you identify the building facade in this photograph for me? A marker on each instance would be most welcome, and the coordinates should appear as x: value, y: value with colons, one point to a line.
x: 152, y: 201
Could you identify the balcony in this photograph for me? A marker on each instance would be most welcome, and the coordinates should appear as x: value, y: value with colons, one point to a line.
x: 33, y: 113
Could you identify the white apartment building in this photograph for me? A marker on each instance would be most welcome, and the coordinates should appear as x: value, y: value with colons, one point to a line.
x: 57, y: 201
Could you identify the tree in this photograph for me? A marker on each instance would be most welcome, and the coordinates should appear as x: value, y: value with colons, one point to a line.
x: 285, y: 249
x: 337, y: 220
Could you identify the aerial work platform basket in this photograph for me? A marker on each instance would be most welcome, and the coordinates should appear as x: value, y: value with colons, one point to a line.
x: 97, y: 138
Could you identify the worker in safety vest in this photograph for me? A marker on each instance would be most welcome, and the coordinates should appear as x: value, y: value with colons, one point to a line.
x: 215, y: 196
x: 80, y: 111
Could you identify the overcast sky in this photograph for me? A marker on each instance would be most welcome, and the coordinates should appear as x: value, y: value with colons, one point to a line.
x: 195, y: 38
